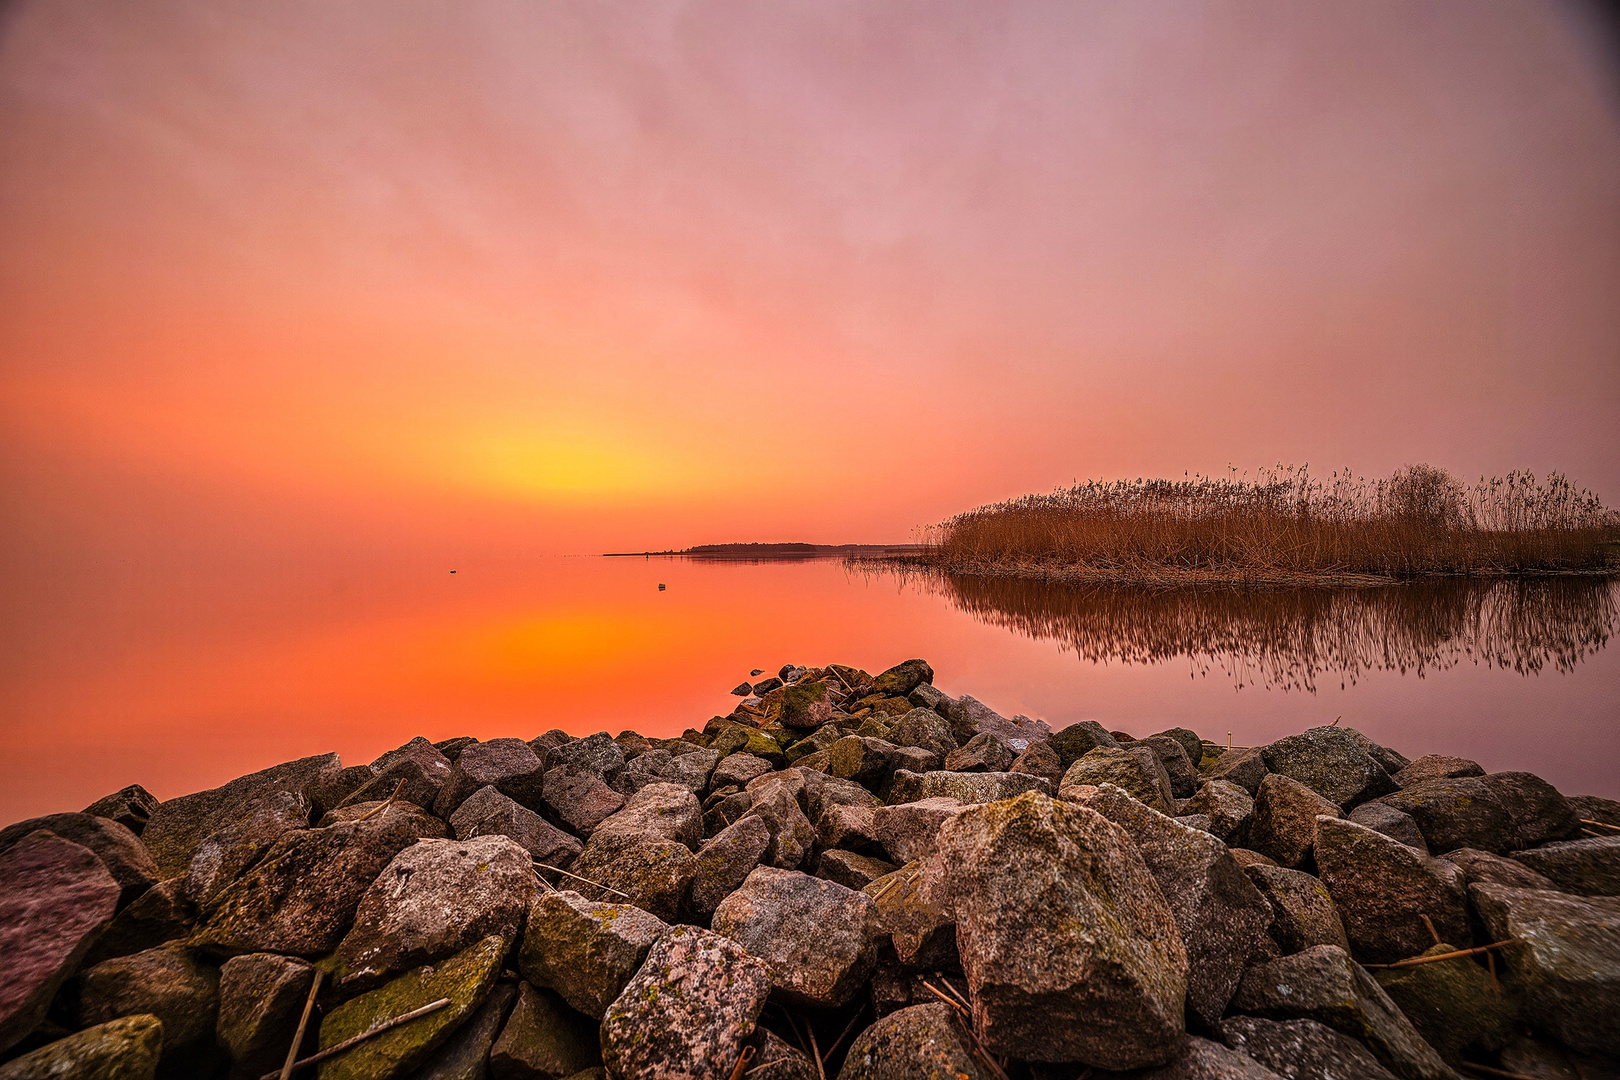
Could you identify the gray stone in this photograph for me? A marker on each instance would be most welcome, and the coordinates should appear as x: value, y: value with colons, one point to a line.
x: 908, y: 831
x: 851, y: 870
x: 775, y: 801
x: 903, y: 678
x: 1437, y: 767
x: 1589, y: 867
x: 816, y: 937
x: 131, y: 807
x: 1567, y: 962
x: 543, y: 1040
x: 1136, y: 770
x: 1479, y: 865
x: 1069, y: 949
x: 596, y: 753
x: 726, y: 860
x: 1331, y: 761
x: 1457, y: 813
x: 738, y: 769
x: 1040, y: 760
x: 982, y: 753
x: 487, y: 812
x: 224, y: 855
x: 914, y: 759
x: 162, y: 913
x: 119, y: 849
x: 122, y: 1049
x: 925, y: 729
x: 55, y: 897
x: 261, y: 997
x: 852, y: 827
x: 1177, y: 765
x: 510, y: 766
x: 465, y: 1055
x: 1229, y: 808
x: 970, y: 717
x: 1301, y: 1049
x: 1219, y: 913
x: 923, y: 1042
x: 1202, y: 1059
x: 329, y: 790
x: 1393, y: 823
x: 686, y: 1014
x: 1593, y: 808
x: 1385, y: 889
x: 866, y: 761
x: 1075, y: 741
x: 1325, y: 985
x: 177, y: 826
x: 170, y: 982
x: 413, y: 779
x: 776, y: 1059
x: 412, y: 818
x: 1536, y: 810
x: 689, y: 770
x: 1246, y: 768
x: 1284, y: 824
x: 966, y: 788
x: 922, y: 934
x: 433, y: 900
x: 1454, y: 1004
x: 654, y: 875
x: 584, y: 950
x: 1189, y: 741
x: 929, y: 697
x: 1303, y: 912
x: 579, y: 799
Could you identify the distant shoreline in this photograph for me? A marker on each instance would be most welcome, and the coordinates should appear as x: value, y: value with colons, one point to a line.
x: 779, y: 551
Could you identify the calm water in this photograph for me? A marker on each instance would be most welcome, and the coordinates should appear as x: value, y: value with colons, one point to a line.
x: 182, y: 680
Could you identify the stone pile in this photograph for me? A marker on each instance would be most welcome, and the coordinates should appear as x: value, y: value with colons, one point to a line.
x: 847, y: 876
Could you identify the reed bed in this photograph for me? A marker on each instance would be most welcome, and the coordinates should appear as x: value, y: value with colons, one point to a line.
x: 1284, y: 526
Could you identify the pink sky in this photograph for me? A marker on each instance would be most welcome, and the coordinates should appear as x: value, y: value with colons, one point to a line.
x: 576, y: 277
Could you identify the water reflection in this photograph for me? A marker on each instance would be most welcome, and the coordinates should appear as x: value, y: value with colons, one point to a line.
x: 1289, y: 639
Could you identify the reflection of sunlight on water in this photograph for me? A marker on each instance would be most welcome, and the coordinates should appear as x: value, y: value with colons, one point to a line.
x: 1289, y: 639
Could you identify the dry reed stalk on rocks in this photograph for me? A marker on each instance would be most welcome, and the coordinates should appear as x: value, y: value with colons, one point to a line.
x: 346, y: 1044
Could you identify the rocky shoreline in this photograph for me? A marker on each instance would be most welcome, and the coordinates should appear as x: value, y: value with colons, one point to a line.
x: 848, y: 876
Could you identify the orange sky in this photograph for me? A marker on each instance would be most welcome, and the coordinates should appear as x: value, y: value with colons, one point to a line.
x: 576, y: 277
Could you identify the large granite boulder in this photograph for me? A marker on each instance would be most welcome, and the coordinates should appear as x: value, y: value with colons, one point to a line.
x: 910, y: 830
x: 225, y: 854
x: 584, y: 950
x: 657, y: 811
x: 1177, y: 765
x: 1589, y: 867
x: 510, y: 766
x: 1566, y: 963
x: 982, y: 753
x: 1303, y: 912
x: 725, y: 861
x: 686, y: 1014
x: 1331, y: 761
x: 1479, y: 865
x: 1220, y: 914
x: 1039, y: 759
x: 1070, y: 951
x: 739, y: 768
x: 921, y: 933
x: 817, y: 938
x: 1301, y: 1049
x: 923, y: 1042
x: 1245, y: 768
x: 1437, y: 767
x: 851, y: 870
x: 161, y: 913
x: 487, y: 812
x: 1537, y: 812
x: 543, y: 1038
x: 903, y: 678
x: 170, y: 982
x: 1325, y: 985
x: 418, y: 822
x: 465, y: 979
x: 1393, y: 823
x: 465, y: 1054
x: 1384, y: 889
x: 415, y: 774
x: 970, y: 717
x: 300, y: 899
x: 1136, y: 770
x: 966, y: 788
x: 261, y: 997
x: 433, y: 900
x: 1462, y: 812
x: 130, y: 806
x: 55, y: 898
x: 654, y: 875
x: 597, y: 753
x: 775, y: 801
x: 1229, y: 808
x: 578, y: 799
x: 1284, y: 825
x: 925, y: 729
x: 177, y: 826
x: 119, y: 849
x: 1455, y: 1004
x: 690, y: 770
x: 122, y: 1049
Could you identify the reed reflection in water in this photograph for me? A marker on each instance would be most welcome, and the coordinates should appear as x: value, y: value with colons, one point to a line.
x: 1289, y: 639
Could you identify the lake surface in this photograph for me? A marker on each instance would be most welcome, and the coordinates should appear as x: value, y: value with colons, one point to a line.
x: 182, y: 680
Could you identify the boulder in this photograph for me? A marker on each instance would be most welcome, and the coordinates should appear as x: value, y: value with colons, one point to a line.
x: 1464, y: 812
x: 122, y: 1049
x: 131, y: 807
x: 510, y: 766
x: 55, y: 897
x: 776, y: 1059
x: 1039, y: 759
x: 170, y: 982
x: 687, y: 770
x: 1219, y: 913
x: 301, y: 897
x: 851, y: 870
x: 654, y: 875
x: 435, y: 899
x: 739, y: 769
x: 806, y: 705
x: 922, y: 934
x: 775, y: 801
x: 852, y: 827
x: 866, y: 761
x: 331, y: 790
x: 224, y: 855
x: 465, y: 1054
x: 119, y: 849
x: 1135, y: 770
x: 1384, y: 818
x: 816, y: 937
x: 579, y: 799
x: 1325, y: 985
x: 723, y: 809
x: 543, y: 1039
x: 1301, y: 1049
x: 982, y: 753
x: 1070, y: 952
x: 726, y: 860
x: 1245, y: 768
x: 261, y: 997
x: 1077, y: 740
x: 686, y: 1014
x: 487, y: 812
x: 1479, y: 865
x: 923, y: 1042
x: 1190, y: 743
x: 1303, y: 912
x: 1437, y: 767
x: 177, y: 826
x: 969, y: 717
x: 966, y: 788
x: 908, y: 831
x: 1284, y: 824
x: 418, y: 822
x: 1385, y: 889
x: 1331, y: 761
x: 1454, y: 1004
x: 1203, y: 1059
x: 1229, y: 808
x: 1247, y: 858
x: 902, y: 679
x: 924, y: 729
x: 597, y: 753
x: 414, y: 779
x: 1177, y: 765
x: 584, y: 950
x: 1589, y: 867
x: 421, y: 751
x: 161, y: 913
x: 1567, y: 962
x: 1593, y: 808
x: 465, y: 979
x: 656, y: 812
x: 1537, y: 812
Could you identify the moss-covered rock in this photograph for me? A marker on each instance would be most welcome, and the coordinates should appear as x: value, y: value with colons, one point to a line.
x: 465, y: 979
x: 1453, y: 1003
x: 806, y: 705
x: 122, y: 1049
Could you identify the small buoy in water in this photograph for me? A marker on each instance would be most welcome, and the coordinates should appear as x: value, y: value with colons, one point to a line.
x: 660, y: 586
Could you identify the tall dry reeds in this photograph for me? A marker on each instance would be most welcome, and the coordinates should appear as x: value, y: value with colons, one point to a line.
x: 1285, y: 524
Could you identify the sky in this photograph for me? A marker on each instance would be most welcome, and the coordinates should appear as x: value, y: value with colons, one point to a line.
x: 574, y: 277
